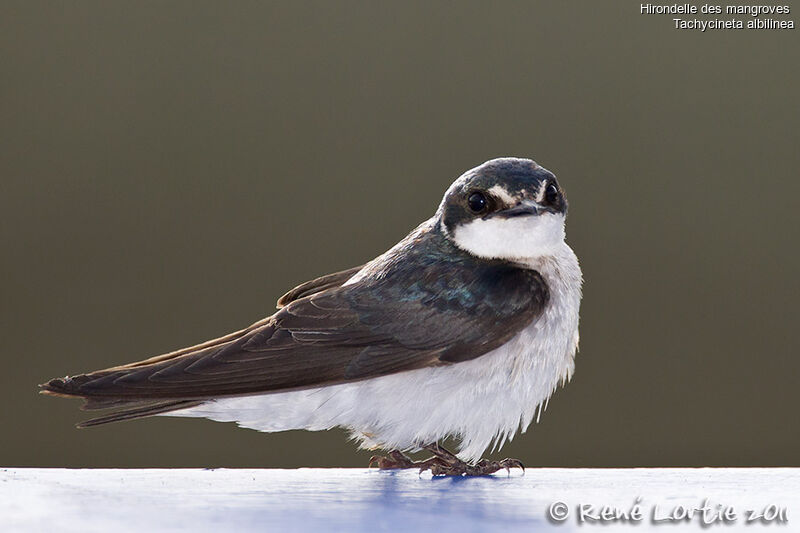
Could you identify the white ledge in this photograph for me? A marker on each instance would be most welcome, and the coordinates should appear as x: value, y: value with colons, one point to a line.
x: 37, y: 499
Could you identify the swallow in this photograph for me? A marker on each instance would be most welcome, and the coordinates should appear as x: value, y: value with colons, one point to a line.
x: 463, y: 329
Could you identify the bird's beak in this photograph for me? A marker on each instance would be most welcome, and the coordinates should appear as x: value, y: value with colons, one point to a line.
x: 522, y: 209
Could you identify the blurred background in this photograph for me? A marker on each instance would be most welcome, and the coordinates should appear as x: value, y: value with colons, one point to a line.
x: 170, y: 169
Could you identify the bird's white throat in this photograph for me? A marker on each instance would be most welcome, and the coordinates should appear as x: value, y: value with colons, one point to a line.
x: 524, y: 237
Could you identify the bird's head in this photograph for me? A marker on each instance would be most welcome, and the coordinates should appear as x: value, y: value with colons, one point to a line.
x: 506, y: 208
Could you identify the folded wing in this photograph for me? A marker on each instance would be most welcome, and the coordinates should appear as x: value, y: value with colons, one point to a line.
x: 326, y: 335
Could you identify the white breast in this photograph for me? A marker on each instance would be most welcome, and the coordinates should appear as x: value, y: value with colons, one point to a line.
x: 481, y: 401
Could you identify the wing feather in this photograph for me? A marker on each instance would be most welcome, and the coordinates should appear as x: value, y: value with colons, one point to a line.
x: 320, y: 284
x: 410, y: 315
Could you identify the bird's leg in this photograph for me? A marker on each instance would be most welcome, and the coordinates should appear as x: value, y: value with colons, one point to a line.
x: 451, y: 465
x: 397, y: 459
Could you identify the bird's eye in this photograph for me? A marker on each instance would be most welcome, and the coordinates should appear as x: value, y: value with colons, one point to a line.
x: 551, y: 193
x: 477, y: 202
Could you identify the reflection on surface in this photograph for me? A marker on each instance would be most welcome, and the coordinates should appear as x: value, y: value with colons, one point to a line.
x: 370, y: 500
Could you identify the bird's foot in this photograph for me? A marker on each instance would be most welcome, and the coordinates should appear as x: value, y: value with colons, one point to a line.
x: 397, y: 459
x: 484, y: 467
x: 450, y: 465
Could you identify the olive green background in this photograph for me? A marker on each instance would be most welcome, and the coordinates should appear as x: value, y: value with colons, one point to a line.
x: 170, y: 168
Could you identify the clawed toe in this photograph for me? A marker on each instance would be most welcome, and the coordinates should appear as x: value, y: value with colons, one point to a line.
x: 396, y: 459
x: 450, y: 465
x: 443, y: 463
x: 433, y: 464
x: 380, y: 461
x: 509, y: 463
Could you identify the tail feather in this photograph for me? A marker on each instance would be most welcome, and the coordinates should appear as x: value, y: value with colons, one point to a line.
x: 141, y: 411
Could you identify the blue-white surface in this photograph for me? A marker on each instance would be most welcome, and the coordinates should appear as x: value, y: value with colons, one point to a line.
x: 369, y: 500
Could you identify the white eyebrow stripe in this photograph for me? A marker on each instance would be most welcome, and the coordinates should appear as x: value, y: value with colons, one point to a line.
x: 542, y: 189
x: 501, y: 193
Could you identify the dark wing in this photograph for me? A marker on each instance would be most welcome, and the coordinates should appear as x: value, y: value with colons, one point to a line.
x: 367, y: 329
x: 337, y: 279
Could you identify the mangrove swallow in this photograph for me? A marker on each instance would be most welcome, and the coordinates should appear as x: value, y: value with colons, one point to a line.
x: 463, y: 329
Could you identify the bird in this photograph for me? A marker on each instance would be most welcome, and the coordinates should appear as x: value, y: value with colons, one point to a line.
x: 462, y: 330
